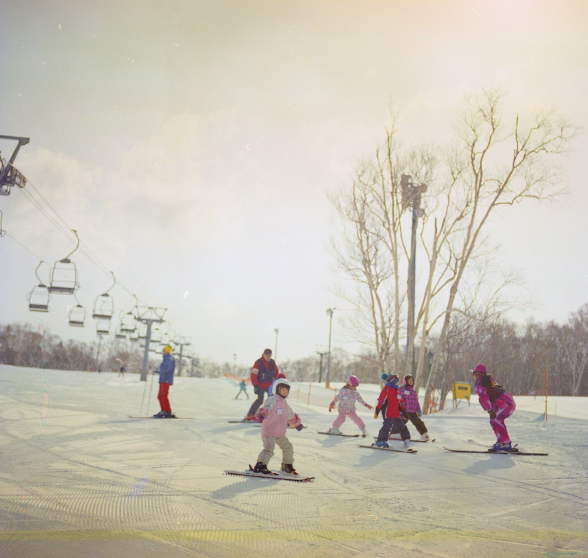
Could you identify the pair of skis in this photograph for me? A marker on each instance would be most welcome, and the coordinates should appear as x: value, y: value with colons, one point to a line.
x: 272, y: 476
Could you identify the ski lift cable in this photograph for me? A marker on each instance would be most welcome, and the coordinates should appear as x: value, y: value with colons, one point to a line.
x: 85, y: 249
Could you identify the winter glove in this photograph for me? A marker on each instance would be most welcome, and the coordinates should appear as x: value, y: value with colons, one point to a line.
x: 260, y: 418
x: 299, y: 427
x: 255, y: 390
x: 419, y: 413
x: 376, y: 413
x: 369, y: 407
x: 492, y: 414
x: 331, y: 407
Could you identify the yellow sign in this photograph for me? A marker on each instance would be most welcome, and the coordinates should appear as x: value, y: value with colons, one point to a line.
x: 461, y: 390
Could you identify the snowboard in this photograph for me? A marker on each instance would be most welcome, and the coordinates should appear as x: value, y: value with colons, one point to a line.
x: 409, y: 450
x: 273, y: 476
x: 400, y: 440
x: 172, y: 417
x: 344, y: 435
x: 489, y: 452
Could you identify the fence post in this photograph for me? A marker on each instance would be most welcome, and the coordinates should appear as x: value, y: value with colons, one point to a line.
x: 309, y: 387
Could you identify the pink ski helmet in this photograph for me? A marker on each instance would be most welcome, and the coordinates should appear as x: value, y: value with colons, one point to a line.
x: 353, y: 381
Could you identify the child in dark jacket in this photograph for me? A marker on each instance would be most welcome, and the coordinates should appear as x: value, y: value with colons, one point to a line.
x: 390, y: 403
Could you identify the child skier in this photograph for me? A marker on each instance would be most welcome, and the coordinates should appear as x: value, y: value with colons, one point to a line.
x: 242, y: 389
x: 274, y: 415
x: 347, y: 397
x: 412, y: 409
x: 390, y: 403
x: 498, y: 403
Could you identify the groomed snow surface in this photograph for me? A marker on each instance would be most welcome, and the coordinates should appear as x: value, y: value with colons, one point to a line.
x: 78, y: 478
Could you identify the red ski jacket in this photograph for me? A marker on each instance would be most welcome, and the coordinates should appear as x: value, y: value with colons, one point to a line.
x: 390, y: 401
x: 268, y: 370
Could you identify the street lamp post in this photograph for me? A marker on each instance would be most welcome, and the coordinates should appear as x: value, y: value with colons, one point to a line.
x: 277, y: 329
x: 330, y: 314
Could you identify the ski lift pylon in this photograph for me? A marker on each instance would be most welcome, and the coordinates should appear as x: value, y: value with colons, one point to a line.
x: 39, y: 297
x: 2, y: 231
x: 64, y: 275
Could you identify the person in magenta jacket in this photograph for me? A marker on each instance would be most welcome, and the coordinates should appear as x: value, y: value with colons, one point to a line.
x: 498, y: 403
x: 390, y: 404
x: 412, y: 408
x: 275, y: 415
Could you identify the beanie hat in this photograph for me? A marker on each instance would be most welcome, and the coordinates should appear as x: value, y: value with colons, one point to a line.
x: 167, y: 349
x: 353, y: 381
x: 480, y: 369
x: 390, y: 378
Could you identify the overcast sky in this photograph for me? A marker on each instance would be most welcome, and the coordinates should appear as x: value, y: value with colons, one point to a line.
x: 193, y: 143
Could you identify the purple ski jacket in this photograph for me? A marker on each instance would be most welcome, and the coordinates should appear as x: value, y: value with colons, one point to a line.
x: 410, y: 399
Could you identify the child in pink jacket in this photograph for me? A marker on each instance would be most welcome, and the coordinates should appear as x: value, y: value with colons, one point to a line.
x: 275, y: 415
x: 347, y: 397
x: 498, y: 403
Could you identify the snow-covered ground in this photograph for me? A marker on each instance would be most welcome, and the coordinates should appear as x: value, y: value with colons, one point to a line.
x: 78, y: 478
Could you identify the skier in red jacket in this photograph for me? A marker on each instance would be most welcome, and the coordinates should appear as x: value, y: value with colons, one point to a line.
x: 390, y: 403
x: 264, y: 372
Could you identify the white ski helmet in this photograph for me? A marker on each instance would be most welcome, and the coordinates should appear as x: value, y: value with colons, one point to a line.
x: 280, y: 382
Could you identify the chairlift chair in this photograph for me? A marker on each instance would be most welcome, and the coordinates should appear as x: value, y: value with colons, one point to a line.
x: 120, y: 334
x: 104, y: 304
x: 155, y: 336
x: 64, y: 275
x: 77, y: 315
x: 103, y: 327
x: 134, y: 336
x: 39, y: 297
x: 127, y: 323
x: 142, y: 331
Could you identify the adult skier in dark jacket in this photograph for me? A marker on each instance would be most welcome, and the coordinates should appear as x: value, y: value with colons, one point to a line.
x: 166, y: 379
x: 264, y: 372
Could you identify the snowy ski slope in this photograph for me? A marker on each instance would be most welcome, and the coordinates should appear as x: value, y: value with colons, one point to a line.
x: 78, y: 478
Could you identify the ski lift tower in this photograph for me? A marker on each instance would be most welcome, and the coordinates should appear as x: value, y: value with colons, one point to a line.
x: 182, y: 342
x: 9, y: 175
x: 148, y: 315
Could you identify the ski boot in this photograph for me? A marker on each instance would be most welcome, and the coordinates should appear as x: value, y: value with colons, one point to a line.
x: 159, y: 415
x: 250, y: 418
x: 261, y: 467
x: 289, y: 468
x: 334, y: 430
x: 363, y: 433
x: 406, y: 443
x: 168, y: 414
x: 505, y: 446
x: 425, y: 437
x: 379, y: 444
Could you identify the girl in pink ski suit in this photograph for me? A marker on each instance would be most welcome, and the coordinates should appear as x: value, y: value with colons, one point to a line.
x: 347, y: 398
x: 497, y: 402
x: 274, y: 415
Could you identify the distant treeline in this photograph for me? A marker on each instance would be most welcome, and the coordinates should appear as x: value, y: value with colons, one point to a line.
x: 515, y: 355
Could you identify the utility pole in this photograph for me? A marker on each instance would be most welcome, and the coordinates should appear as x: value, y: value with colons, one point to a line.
x: 411, y: 197
x: 98, y: 351
x: 320, y: 366
x: 330, y: 314
x: 277, y: 329
x: 234, y: 364
x: 148, y: 315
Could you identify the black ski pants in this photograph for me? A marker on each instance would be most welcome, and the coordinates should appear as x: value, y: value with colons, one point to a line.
x: 416, y: 421
x: 257, y: 403
x: 397, y: 424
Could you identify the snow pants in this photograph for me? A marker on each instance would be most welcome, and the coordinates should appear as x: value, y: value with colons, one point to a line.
x: 257, y: 403
x: 504, y: 406
x: 416, y: 421
x: 398, y: 425
x: 163, y: 398
x: 242, y: 391
x: 352, y: 415
x: 269, y: 444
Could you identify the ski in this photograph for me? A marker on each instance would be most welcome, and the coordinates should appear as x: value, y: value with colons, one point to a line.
x: 400, y: 440
x: 489, y: 452
x: 409, y: 450
x: 172, y: 417
x: 273, y: 476
x: 243, y: 421
x: 344, y: 435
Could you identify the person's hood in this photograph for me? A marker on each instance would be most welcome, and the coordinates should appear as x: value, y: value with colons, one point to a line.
x: 393, y: 386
